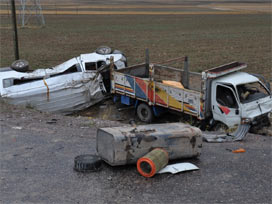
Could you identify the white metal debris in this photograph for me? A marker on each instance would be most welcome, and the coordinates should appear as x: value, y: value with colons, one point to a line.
x: 179, y: 167
x: 216, y: 137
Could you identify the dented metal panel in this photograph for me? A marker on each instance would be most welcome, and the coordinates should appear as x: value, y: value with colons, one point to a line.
x: 157, y: 93
x: 124, y: 145
x: 256, y: 108
x: 65, y: 88
x: 63, y: 94
x: 237, y: 78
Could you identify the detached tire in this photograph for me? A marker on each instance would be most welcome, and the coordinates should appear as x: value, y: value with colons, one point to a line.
x: 103, y: 50
x: 87, y: 163
x: 145, y: 113
x: 20, y: 65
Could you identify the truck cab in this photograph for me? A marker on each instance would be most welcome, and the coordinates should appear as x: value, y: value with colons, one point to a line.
x: 239, y: 98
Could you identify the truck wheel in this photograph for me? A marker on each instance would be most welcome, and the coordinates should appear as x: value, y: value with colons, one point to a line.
x: 103, y: 50
x: 20, y: 65
x: 145, y: 113
x: 87, y: 163
x: 220, y: 127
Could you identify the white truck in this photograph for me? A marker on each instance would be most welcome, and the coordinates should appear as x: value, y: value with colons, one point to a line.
x: 219, y: 96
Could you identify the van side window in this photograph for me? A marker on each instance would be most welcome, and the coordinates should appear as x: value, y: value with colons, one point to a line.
x: 71, y: 69
x: 225, y: 97
x: 8, y: 82
x: 90, y: 66
x: 100, y: 64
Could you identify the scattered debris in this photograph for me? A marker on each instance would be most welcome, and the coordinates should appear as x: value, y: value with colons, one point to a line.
x: 179, y: 167
x: 71, y: 86
x: 240, y: 150
x: 152, y: 162
x: 52, y: 121
x: 17, y: 128
x: 238, y: 135
x: 125, y: 145
x: 87, y: 163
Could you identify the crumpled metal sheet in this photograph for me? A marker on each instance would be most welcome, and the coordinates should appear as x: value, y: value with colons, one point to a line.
x: 216, y: 137
x: 179, y: 167
x: 62, y: 94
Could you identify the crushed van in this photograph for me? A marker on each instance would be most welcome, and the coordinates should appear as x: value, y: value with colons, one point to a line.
x: 71, y: 86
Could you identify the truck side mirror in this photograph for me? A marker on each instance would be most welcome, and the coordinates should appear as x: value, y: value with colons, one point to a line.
x: 237, y: 111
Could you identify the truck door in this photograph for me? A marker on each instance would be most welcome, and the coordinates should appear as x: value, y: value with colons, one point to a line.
x: 225, y: 106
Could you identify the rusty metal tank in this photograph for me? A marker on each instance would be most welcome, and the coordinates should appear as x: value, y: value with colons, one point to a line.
x: 125, y: 145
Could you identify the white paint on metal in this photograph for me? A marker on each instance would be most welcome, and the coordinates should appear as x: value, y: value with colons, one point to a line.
x: 257, y: 107
x: 237, y: 78
x: 69, y: 86
x: 248, y: 110
x: 179, y: 167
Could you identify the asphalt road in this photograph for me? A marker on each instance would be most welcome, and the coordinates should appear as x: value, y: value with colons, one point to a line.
x: 37, y: 152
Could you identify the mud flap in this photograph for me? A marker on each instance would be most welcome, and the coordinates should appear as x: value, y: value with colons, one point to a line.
x: 238, y: 135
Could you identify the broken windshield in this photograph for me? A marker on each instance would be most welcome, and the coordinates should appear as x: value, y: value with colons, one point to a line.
x: 252, y: 91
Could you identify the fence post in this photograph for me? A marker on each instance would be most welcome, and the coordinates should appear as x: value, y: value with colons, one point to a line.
x: 185, y: 76
x: 147, y: 61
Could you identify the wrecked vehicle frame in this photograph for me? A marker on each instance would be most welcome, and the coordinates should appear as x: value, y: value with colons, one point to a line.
x: 71, y: 86
x: 196, y: 94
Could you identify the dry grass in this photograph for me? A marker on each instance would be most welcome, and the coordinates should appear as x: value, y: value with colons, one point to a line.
x: 264, y: 7
x: 208, y: 40
x: 58, y: 12
x: 109, y: 7
x: 124, y: 6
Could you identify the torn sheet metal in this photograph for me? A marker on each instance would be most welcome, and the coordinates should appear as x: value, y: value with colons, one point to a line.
x: 179, y: 167
x: 78, y: 63
x: 71, y: 86
x: 62, y: 94
x: 238, y: 135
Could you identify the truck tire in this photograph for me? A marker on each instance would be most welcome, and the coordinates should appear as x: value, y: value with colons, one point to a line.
x: 20, y: 65
x: 220, y: 127
x: 145, y: 113
x: 103, y: 50
x: 87, y: 163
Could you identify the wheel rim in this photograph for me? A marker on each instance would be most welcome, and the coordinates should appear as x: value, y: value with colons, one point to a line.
x: 144, y: 113
x: 20, y: 64
x: 223, y: 128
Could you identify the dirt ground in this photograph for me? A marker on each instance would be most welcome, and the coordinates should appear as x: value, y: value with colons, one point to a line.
x: 37, y: 149
x: 37, y: 152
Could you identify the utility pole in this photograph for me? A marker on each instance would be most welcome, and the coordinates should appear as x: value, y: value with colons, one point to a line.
x: 15, y: 35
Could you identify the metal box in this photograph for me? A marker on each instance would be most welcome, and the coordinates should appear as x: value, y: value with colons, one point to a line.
x: 125, y: 145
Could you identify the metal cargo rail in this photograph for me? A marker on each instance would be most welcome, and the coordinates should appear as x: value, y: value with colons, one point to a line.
x: 138, y: 82
x: 224, y: 69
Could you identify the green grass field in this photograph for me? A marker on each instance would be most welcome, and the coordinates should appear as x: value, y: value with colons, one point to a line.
x: 208, y: 40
